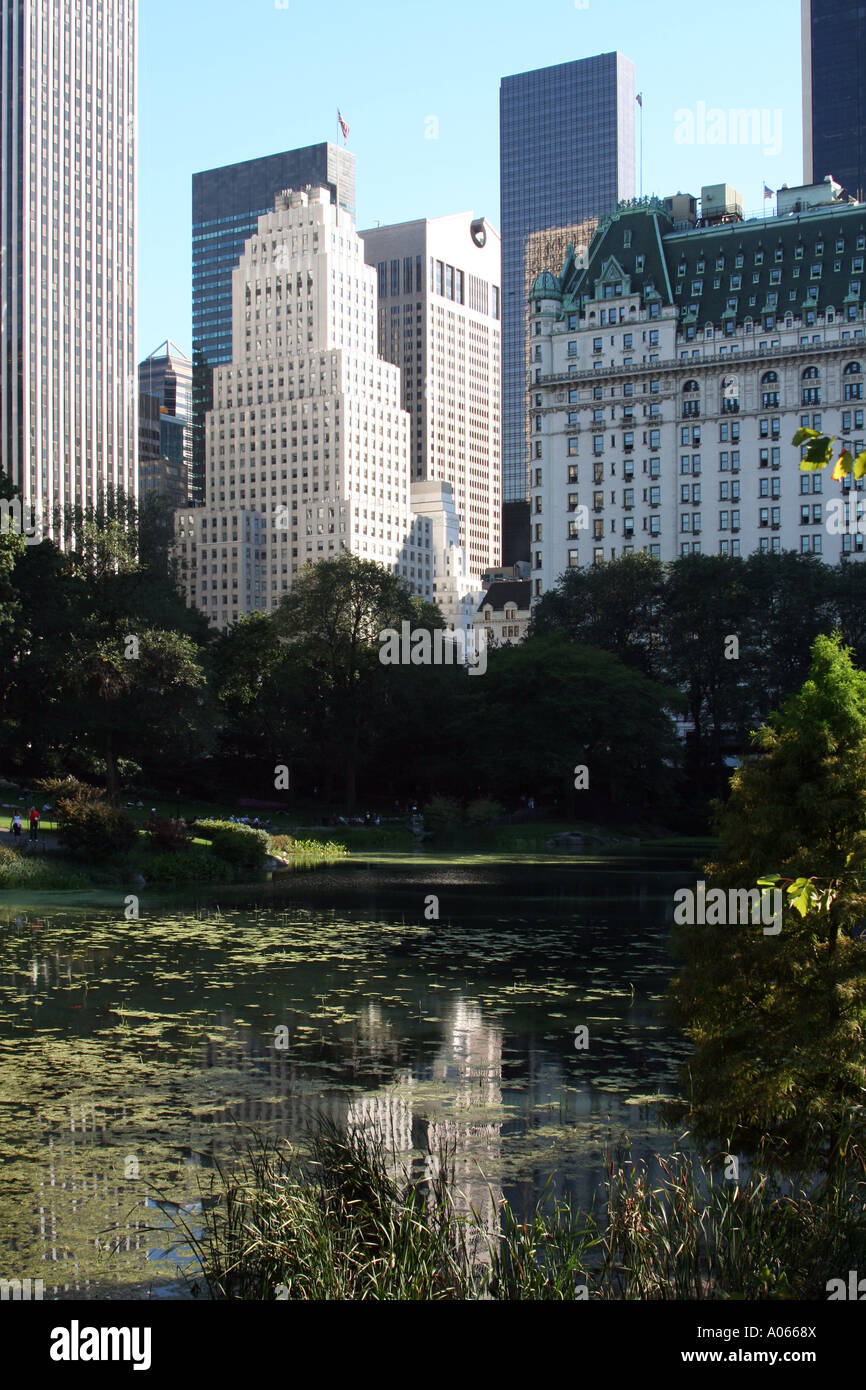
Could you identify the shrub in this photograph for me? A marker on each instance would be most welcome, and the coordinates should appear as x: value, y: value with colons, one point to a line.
x: 87, y: 824
x: 443, y: 813
x: 168, y: 835
x: 36, y: 872
x: 236, y: 844
x: 194, y: 865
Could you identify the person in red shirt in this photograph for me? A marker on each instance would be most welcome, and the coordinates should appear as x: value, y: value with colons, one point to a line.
x: 34, y: 823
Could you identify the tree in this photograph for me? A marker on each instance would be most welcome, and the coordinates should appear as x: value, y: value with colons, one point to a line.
x: 777, y: 1021
x: 265, y: 696
x: 549, y: 706
x: 136, y: 693
x: 12, y: 547
x: 789, y: 601
x: 614, y: 605
x: 332, y: 618
x: 705, y: 604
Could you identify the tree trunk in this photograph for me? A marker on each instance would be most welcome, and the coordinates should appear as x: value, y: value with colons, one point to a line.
x: 112, y: 779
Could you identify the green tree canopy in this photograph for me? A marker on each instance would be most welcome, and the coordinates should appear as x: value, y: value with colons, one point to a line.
x: 777, y: 1021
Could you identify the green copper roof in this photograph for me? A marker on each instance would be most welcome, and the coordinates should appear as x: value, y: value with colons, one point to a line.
x: 546, y: 287
x: 739, y: 270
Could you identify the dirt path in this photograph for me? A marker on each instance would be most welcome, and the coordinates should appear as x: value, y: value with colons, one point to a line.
x: 45, y: 841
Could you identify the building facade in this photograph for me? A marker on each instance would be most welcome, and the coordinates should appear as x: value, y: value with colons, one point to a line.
x: 504, y: 613
x: 834, y: 93
x: 440, y: 314
x: 68, y: 396
x: 166, y: 377
x: 307, y: 445
x: 226, y: 206
x: 163, y: 466
x: 675, y: 368
x: 566, y: 155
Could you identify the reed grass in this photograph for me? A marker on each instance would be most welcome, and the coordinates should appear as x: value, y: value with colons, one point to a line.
x: 348, y: 1222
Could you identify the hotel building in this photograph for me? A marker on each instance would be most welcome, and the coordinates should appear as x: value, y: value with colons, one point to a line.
x: 671, y: 372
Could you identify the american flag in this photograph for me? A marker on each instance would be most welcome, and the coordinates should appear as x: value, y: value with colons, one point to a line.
x: 639, y: 99
x: 344, y: 128
x: 768, y: 192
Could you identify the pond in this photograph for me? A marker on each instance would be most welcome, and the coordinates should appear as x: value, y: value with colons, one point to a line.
x: 135, y: 1053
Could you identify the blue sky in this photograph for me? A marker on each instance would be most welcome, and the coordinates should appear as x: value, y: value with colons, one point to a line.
x: 225, y: 80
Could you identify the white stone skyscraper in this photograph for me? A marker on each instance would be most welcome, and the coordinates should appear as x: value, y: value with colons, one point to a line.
x: 440, y: 321
x: 307, y: 445
x: 68, y: 395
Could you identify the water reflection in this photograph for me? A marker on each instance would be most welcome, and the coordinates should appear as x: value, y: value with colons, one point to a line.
x: 133, y: 1056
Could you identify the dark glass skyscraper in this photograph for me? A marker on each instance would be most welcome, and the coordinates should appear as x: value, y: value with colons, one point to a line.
x: 226, y: 206
x: 834, y: 93
x: 566, y: 154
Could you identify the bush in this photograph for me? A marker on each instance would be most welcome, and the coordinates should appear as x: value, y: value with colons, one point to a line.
x: 193, y: 865
x: 87, y: 824
x: 168, y: 835
x: 443, y: 813
x: 36, y: 872
x: 236, y: 844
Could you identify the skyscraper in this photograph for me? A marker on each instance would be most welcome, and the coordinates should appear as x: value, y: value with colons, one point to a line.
x: 226, y: 206
x: 166, y: 376
x: 566, y: 155
x: 307, y: 446
x: 834, y: 93
x: 68, y: 393
x: 439, y: 300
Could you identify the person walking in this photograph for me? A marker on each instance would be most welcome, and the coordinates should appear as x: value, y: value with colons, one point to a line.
x: 15, y: 827
x: 34, y: 823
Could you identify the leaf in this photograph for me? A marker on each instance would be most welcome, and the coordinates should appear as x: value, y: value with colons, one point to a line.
x: 818, y: 454
x: 843, y: 466
x: 768, y: 880
x: 803, y: 434
x: 860, y: 464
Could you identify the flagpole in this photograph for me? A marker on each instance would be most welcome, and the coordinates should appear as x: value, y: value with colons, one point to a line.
x: 639, y: 100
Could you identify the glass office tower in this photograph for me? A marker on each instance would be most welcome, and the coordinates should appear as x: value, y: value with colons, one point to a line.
x: 166, y: 376
x: 567, y: 153
x: 68, y: 395
x: 834, y: 93
x: 226, y: 206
